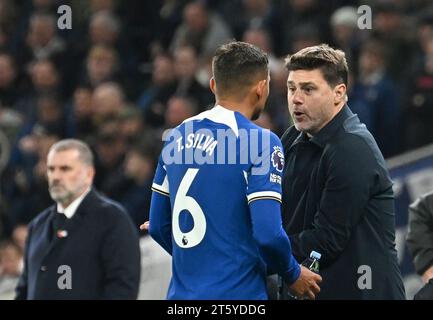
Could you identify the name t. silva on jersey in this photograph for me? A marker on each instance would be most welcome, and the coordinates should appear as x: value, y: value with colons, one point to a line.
x: 200, y: 141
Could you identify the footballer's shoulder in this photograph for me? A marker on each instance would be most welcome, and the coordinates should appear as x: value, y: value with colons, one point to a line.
x: 200, y: 116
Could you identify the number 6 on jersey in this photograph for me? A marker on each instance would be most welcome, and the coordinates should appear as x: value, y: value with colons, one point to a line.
x: 184, y: 202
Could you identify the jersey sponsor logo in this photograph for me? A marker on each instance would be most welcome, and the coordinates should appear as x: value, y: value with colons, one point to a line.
x: 277, y: 159
x: 275, y: 178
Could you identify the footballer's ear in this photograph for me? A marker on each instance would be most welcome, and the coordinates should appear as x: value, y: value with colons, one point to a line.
x: 212, y: 85
x: 261, y: 87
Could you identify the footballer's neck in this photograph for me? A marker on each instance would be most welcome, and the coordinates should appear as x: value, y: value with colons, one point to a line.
x: 240, y: 106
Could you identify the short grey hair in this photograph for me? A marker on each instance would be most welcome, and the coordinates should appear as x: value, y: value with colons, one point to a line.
x: 85, y: 154
x: 108, y: 19
x: 45, y: 17
x: 112, y: 88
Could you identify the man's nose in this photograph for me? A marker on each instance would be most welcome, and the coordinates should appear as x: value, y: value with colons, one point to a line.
x: 297, y: 97
x: 54, y: 175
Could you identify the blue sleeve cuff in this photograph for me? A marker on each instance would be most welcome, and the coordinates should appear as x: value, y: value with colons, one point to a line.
x: 293, y: 273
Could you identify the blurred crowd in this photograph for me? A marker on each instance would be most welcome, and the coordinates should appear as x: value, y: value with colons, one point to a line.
x: 129, y: 70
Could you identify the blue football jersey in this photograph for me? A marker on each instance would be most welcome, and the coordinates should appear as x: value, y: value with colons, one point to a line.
x: 212, y: 168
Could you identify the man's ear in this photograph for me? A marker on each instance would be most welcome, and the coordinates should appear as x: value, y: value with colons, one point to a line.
x: 212, y: 85
x: 261, y: 88
x: 91, y: 172
x: 340, y: 92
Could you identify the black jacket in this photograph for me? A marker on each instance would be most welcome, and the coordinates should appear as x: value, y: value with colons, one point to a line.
x: 420, y: 232
x: 101, y: 247
x: 338, y: 200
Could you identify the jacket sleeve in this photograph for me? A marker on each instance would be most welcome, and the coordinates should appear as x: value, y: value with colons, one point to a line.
x: 420, y: 232
x: 120, y: 257
x: 351, y: 172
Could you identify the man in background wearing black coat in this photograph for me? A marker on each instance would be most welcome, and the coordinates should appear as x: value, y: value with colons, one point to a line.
x: 420, y: 242
x: 337, y: 193
x: 84, y: 246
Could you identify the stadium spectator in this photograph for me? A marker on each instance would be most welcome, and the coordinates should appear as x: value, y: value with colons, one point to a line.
x: 139, y: 167
x: 110, y: 150
x: 418, y: 109
x: 303, y: 23
x: 264, y: 121
x: 201, y: 29
x: 178, y: 110
x: 80, y: 114
x: 185, y: 68
x: 131, y: 125
x: 45, y: 76
x: 375, y: 99
x: 156, y: 95
x: 345, y: 33
x: 45, y: 80
x: 277, y: 101
x: 262, y: 39
x: 167, y: 19
x: 27, y: 192
x: 8, y: 15
x: 4, y: 39
x: 252, y: 15
x: 305, y: 35
x: 102, y: 5
x: 9, y: 90
x: 387, y: 19
x: 10, y: 259
x: 42, y: 41
x: 105, y: 29
x: 101, y: 66
x: 19, y: 236
x: 10, y: 268
x: 108, y: 101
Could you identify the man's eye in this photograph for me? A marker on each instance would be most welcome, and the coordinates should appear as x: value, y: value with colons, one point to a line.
x: 291, y: 89
x: 308, y: 90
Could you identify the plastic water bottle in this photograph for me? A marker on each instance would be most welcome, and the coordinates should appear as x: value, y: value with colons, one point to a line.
x: 312, y: 262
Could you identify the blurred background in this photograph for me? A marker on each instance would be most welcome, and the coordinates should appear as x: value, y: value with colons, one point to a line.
x: 129, y: 70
